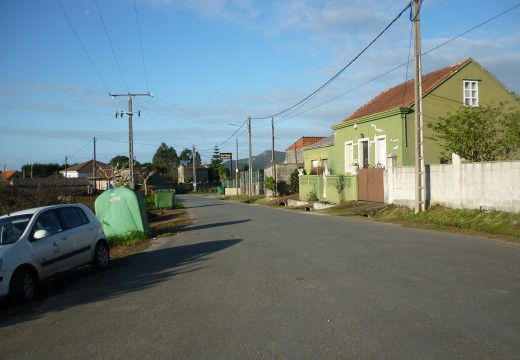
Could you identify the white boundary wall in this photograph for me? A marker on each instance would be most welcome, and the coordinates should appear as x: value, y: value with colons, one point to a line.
x: 486, y: 185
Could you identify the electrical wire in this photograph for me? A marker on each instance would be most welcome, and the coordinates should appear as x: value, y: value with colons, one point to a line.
x: 317, y: 91
x: 141, y: 45
x: 83, y: 46
x: 112, y: 47
x: 400, y: 66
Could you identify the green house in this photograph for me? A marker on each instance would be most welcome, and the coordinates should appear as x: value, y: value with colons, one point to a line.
x: 385, y: 126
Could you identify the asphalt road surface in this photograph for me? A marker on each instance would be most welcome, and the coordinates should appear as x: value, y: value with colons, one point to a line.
x: 252, y: 282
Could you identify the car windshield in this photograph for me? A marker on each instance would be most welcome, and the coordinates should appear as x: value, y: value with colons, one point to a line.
x: 12, y: 227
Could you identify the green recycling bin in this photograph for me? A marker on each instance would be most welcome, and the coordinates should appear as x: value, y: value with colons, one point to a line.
x: 220, y: 190
x: 165, y: 199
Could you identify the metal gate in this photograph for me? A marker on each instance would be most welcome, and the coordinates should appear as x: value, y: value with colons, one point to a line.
x: 371, y: 185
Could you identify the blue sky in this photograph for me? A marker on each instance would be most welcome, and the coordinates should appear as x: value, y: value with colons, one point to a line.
x: 210, y: 64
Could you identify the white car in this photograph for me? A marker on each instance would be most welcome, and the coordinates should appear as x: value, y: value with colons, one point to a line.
x: 36, y: 244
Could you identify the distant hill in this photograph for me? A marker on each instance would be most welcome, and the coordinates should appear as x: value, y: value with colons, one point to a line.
x: 260, y: 161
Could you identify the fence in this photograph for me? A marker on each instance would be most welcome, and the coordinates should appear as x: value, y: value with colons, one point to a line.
x: 485, y: 185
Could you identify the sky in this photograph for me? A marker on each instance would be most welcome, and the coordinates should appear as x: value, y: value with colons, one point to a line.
x: 211, y: 64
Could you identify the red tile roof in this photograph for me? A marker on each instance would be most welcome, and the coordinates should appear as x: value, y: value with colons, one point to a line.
x: 403, y: 95
x: 7, y: 174
x: 304, y: 141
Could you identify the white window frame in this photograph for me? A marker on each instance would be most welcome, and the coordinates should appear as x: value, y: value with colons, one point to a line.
x: 349, y: 157
x: 380, y: 150
x: 314, y: 164
x: 470, y: 92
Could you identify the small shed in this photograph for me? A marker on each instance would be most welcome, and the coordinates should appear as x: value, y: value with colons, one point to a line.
x: 120, y: 211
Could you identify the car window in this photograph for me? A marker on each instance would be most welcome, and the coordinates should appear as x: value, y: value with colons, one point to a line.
x: 11, y: 228
x: 48, y: 221
x: 83, y: 216
x: 71, y: 217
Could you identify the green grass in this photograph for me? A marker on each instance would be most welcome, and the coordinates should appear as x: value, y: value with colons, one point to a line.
x: 438, y: 217
x: 130, y: 238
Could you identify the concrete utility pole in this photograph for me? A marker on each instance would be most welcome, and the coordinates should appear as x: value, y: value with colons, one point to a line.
x: 236, y: 170
x: 130, y: 131
x: 250, y: 192
x: 94, y: 167
x: 194, y: 167
x: 420, y: 168
x: 273, y: 162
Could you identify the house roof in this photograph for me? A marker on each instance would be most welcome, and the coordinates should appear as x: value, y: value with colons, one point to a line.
x: 85, y: 166
x: 304, y: 141
x: 6, y: 175
x: 329, y: 140
x: 52, y: 181
x: 403, y: 95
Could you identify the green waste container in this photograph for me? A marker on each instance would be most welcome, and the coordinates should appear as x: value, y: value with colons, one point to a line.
x: 220, y: 190
x: 165, y: 199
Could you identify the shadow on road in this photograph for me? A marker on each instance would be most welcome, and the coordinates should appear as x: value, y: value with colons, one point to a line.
x: 209, y: 226
x: 125, y: 275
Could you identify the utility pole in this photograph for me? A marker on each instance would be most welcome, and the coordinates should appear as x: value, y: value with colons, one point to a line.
x: 130, y: 131
x: 273, y: 162
x: 420, y: 168
x: 236, y: 170
x: 250, y: 192
x: 94, y: 167
x: 65, y: 167
x: 194, y: 167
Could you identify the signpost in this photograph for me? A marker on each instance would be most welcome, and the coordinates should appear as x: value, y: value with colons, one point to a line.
x: 228, y: 156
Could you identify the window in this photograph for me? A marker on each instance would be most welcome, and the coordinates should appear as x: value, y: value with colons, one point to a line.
x: 314, y: 164
x: 48, y: 221
x: 72, y: 217
x: 380, y: 151
x: 363, y: 153
x: 349, y: 157
x: 470, y: 93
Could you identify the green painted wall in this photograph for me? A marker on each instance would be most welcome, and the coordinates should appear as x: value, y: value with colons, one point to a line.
x: 317, y: 184
x: 320, y: 154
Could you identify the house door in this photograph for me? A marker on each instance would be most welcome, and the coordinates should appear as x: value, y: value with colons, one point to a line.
x: 371, y: 185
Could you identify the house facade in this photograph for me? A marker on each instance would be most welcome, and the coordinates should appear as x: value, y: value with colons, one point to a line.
x: 83, y: 170
x: 385, y: 126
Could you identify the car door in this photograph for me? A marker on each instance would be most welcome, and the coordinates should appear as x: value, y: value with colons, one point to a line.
x: 50, y: 253
x: 80, y: 234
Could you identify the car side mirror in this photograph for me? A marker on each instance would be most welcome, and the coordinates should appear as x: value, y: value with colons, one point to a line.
x: 40, y: 234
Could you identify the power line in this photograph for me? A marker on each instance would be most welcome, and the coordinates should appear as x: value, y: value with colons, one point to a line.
x: 110, y: 42
x: 400, y: 66
x: 141, y: 45
x: 82, y: 46
x: 313, y: 94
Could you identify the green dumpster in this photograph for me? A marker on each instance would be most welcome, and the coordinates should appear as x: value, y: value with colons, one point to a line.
x: 220, y: 190
x: 165, y: 199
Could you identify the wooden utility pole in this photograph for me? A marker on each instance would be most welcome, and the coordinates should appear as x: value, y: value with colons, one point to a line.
x: 130, y: 132
x: 420, y: 168
x: 250, y: 191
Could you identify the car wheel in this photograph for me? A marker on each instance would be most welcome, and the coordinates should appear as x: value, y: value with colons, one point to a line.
x: 101, y: 256
x: 23, y: 285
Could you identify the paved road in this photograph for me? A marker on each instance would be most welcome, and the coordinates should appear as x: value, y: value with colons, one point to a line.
x: 251, y: 282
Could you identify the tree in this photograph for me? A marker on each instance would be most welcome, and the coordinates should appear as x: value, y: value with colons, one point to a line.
x: 185, y: 157
x: 145, y: 174
x: 483, y: 133
x: 42, y: 170
x: 119, y: 161
x: 165, y: 159
x: 216, y: 163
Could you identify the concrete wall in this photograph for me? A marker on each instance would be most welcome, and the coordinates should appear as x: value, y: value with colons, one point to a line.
x: 486, y: 185
x: 283, y: 177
